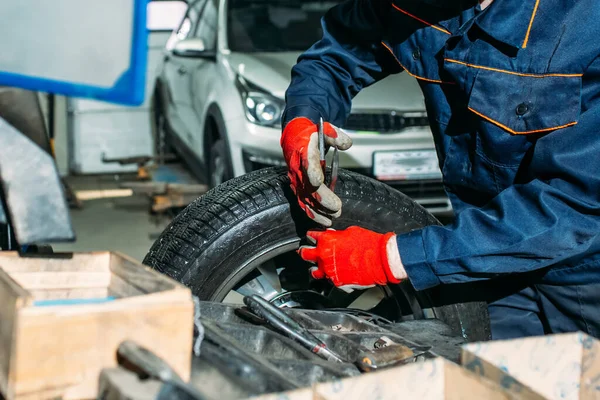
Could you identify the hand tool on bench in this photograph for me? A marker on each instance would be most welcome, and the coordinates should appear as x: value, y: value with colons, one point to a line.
x: 389, y: 356
x: 287, y: 326
x: 255, y: 374
x: 261, y: 311
x: 148, y: 365
x: 145, y: 363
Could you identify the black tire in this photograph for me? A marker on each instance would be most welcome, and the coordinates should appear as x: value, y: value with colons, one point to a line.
x: 219, y: 164
x: 160, y: 134
x: 208, y: 243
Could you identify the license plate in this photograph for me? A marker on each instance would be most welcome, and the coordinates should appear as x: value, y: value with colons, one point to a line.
x: 406, y: 165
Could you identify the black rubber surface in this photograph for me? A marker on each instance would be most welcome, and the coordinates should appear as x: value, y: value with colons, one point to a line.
x: 208, y: 242
x: 219, y: 149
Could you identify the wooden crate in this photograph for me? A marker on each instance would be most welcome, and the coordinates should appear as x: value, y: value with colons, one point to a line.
x: 435, y: 379
x: 61, y: 321
x: 564, y: 366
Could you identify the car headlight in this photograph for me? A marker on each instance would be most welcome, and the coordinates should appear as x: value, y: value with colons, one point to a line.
x: 261, y: 107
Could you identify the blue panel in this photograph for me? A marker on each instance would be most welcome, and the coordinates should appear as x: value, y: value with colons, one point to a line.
x: 129, y: 89
x: 70, y: 302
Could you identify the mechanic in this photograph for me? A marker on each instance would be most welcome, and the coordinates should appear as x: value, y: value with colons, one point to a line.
x: 512, y: 90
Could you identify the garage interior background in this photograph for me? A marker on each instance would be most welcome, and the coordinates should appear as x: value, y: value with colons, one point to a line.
x: 86, y: 132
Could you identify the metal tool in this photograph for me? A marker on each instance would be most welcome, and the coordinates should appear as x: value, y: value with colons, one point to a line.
x: 389, y: 356
x: 335, y: 159
x: 145, y: 363
x: 228, y: 355
x: 148, y: 365
x: 322, y: 144
x: 382, y: 342
x: 334, y: 169
x: 287, y: 326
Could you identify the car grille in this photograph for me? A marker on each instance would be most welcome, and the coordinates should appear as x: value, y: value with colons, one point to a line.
x: 387, y: 122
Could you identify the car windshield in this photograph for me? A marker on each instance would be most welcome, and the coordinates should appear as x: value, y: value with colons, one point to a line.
x: 275, y: 25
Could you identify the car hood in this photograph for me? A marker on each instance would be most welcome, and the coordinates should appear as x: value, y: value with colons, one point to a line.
x: 272, y: 72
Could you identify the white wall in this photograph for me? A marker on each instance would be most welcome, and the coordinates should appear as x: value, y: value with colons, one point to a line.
x: 86, y: 130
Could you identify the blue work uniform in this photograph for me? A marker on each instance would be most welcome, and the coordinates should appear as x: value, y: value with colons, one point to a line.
x: 513, y: 97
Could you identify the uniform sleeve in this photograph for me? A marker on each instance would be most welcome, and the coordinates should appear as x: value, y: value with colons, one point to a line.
x: 553, y: 217
x: 348, y: 58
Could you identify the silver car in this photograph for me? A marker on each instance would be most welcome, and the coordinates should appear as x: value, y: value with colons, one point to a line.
x: 219, y: 98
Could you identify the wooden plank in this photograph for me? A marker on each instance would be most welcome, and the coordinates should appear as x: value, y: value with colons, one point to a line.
x: 85, y: 293
x: 103, y: 194
x: 298, y: 394
x: 590, y: 371
x: 119, y: 288
x: 461, y: 384
x: 141, y: 277
x: 80, y: 262
x: 61, y: 280
x: 431, y: 379
x: 12, y: 298
x: 53, y: 394
x: 68, y: 346
x: 404, y: 382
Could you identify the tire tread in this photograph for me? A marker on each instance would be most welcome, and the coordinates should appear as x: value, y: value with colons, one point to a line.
x: 209, y: 215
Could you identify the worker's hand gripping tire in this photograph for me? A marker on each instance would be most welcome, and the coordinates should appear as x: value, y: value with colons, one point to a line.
x: 300, y: 145
x: 354, y: 258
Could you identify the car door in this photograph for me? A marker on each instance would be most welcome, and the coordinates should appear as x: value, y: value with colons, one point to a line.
x: 176, y: 72
x: 204, y: 75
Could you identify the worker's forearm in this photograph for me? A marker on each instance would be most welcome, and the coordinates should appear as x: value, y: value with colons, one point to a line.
x: 551, y: 219
x: 525, y: 229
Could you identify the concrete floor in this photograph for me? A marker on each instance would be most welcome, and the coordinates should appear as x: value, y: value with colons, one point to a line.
x: 115, y: 224
x: 109, y: 225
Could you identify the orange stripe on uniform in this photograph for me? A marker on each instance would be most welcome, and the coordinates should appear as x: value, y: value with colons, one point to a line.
x: 537, y: 3
x: 511, y: 72
x: 421, y: 20
x: 408, y: 72
x: 524, y: 132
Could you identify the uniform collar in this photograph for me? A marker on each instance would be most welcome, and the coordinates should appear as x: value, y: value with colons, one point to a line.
x: 509, y: 21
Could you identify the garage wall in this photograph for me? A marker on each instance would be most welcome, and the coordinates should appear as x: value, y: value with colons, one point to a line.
x: 97, y: 130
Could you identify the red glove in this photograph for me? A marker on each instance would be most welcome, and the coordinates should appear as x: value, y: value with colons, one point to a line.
x: 300, y: 143
x: 354, y: 257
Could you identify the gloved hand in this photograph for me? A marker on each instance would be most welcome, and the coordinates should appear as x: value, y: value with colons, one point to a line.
x: 354, y: 258
x: 300, y: 143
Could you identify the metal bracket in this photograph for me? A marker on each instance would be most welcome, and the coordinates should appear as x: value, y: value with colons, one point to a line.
x: 35, y: 204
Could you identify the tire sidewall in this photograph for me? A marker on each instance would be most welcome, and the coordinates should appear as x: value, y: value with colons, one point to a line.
x: 159, y: 123
x: 273, y: 216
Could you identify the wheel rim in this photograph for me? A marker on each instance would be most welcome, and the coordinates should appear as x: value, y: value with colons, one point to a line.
x: 256, y: 276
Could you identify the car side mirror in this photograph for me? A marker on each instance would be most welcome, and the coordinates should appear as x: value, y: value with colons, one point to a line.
x: 193, y: 48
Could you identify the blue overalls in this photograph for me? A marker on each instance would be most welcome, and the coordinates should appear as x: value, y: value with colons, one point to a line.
x: 513, y: 97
